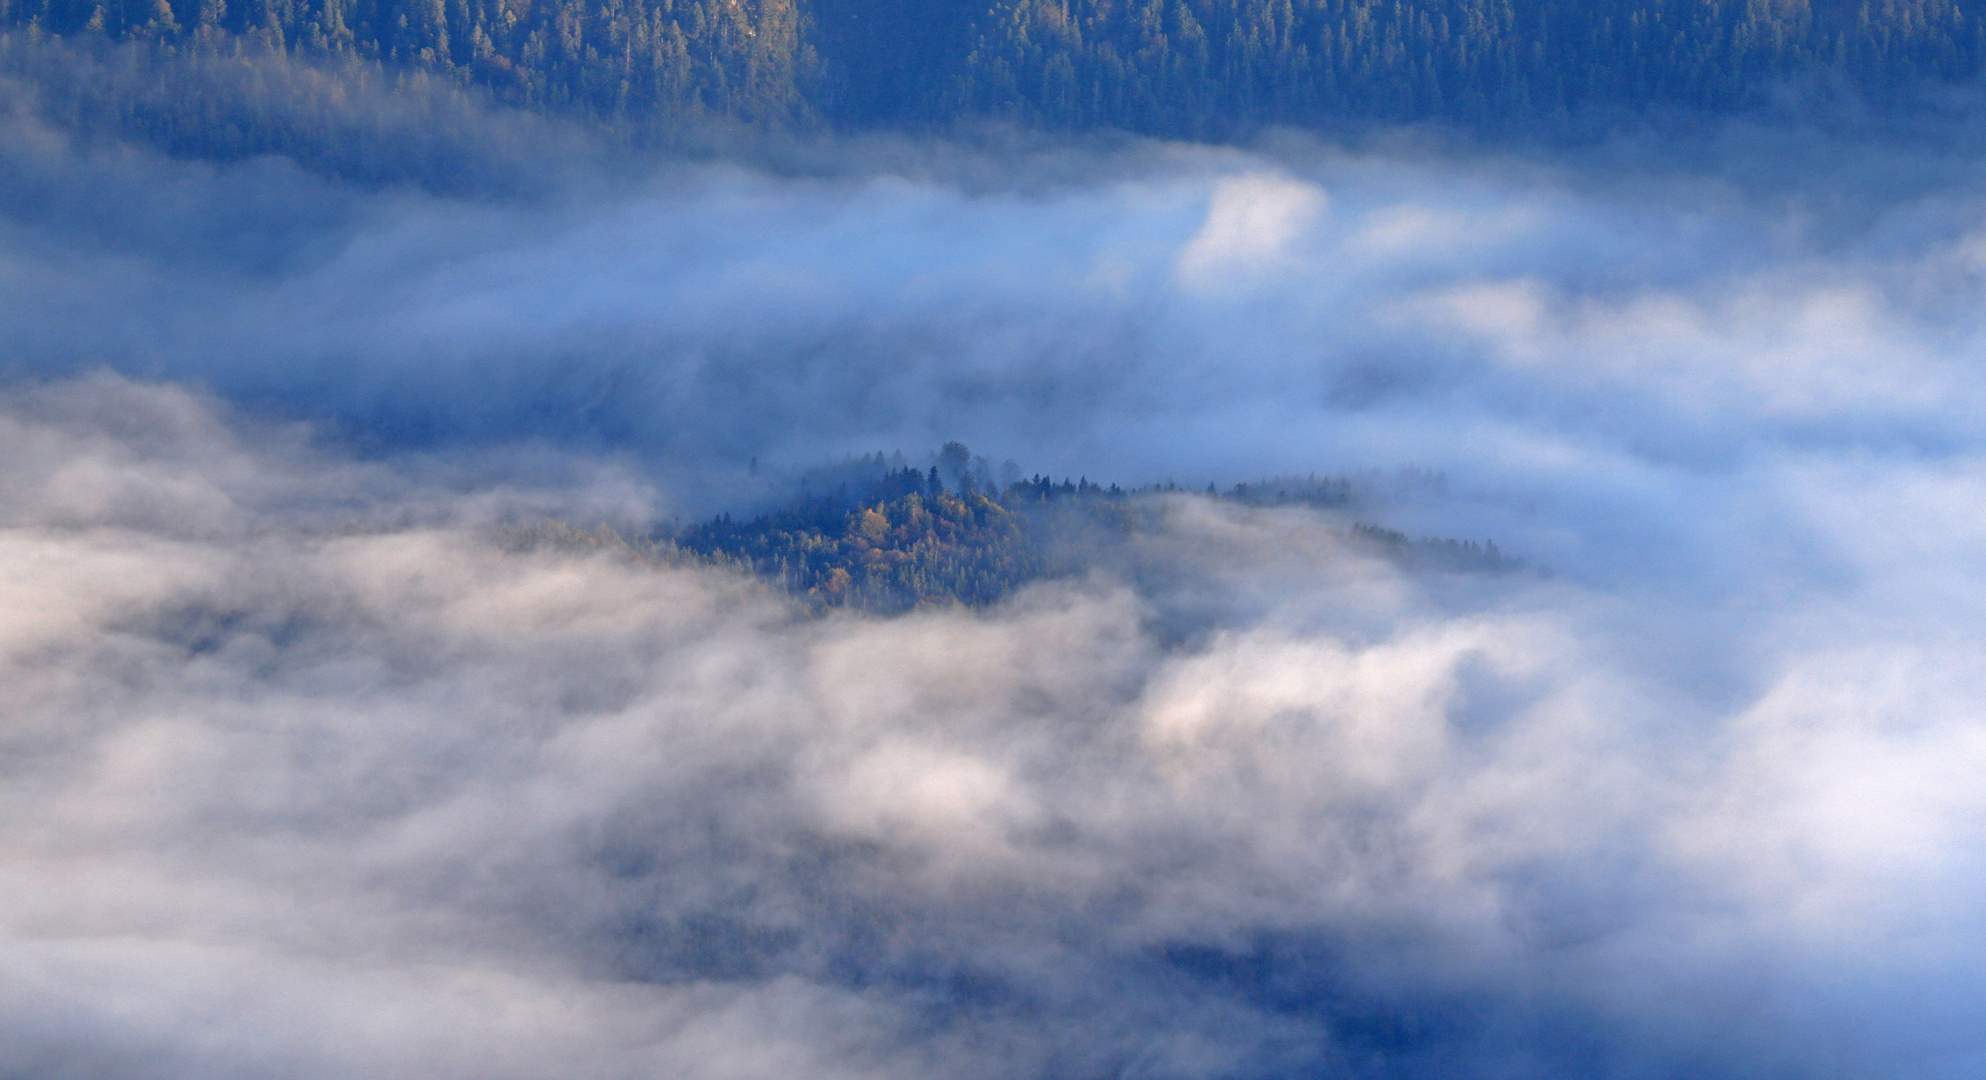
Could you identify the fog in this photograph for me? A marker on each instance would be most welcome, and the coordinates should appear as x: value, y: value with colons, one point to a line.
x: 310, y: 772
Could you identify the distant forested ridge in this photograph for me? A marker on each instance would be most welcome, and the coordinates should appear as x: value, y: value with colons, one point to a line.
x: 748, y: 60
x: 1207, y: 66
x: 880, y: 536
x: 1162, y: 67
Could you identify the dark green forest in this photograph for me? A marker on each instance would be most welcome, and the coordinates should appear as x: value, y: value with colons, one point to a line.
x: 877, y: 535
x: 1203, y: 68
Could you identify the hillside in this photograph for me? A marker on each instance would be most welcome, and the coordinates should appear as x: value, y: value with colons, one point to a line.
x: 887, y: 538
x: 1202, y: 68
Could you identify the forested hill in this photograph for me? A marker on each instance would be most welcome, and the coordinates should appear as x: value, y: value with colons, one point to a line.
x: 1203, y: 67
x: 1165, y: 67
x: 612, y: 59
x: 877, y: 535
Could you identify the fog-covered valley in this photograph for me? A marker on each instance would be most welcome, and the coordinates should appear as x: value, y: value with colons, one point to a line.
x: 311, y: 770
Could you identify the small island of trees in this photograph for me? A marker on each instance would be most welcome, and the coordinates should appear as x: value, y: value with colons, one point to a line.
x: 889, y: 537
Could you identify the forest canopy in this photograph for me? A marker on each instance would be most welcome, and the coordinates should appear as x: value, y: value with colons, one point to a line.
x: 1178, y: 68
x: 878, y: 535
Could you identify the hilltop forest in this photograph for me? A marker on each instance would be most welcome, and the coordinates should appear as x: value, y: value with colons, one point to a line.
x: 878, y: 535
x: 1194, y: 68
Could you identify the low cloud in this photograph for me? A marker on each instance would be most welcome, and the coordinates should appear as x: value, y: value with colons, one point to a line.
x: 1250, y: 221
x: 399, y: 799
x: 309, y: 773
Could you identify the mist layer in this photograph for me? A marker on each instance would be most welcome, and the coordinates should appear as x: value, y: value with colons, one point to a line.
x: 308, y: 772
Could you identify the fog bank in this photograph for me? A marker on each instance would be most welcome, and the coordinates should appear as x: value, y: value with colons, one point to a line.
x: 307, y: 772
x: 395, y: 799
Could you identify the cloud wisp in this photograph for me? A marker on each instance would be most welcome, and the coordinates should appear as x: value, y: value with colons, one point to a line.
x: 1141, y: 313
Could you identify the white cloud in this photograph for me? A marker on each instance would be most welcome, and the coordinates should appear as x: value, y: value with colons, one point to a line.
x: 1251, y: 221
x: 406, y: 802
x: 307, y: 775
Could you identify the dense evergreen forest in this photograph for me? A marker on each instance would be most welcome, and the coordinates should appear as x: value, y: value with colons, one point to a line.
x: 1204, y: 67
x: 1167, y: 67
x: 878, y: 535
